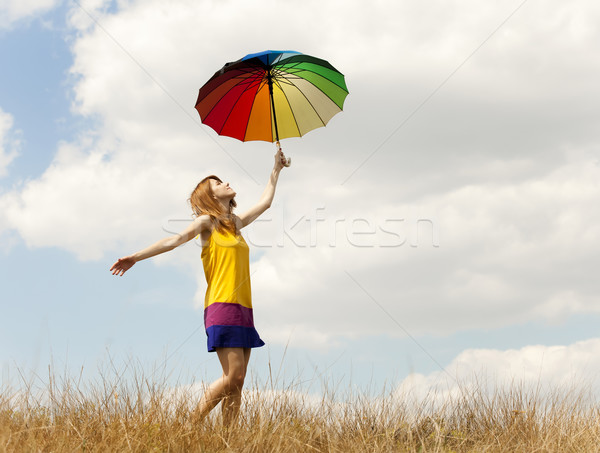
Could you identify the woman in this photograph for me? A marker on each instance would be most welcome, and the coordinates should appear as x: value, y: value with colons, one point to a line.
x: 228, y: 304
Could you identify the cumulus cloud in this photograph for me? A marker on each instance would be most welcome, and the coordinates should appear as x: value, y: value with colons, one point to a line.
x: 545, y: 370
x: 504, y: 255
x: 479, y: 211
x: 12, y: 11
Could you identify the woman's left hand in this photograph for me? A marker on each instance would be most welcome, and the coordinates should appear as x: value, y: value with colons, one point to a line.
x: 122, y: 265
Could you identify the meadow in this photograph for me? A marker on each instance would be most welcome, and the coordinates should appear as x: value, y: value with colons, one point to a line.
x: 145, y: 414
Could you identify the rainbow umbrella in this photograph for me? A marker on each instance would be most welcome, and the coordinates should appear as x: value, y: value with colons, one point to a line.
x: 271, y: 95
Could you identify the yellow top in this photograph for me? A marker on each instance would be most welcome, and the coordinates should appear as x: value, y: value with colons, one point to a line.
x: 226, y: 261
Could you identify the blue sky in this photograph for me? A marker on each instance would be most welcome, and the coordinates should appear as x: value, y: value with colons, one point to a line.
x: 36, y: 63
x: 495, y: 153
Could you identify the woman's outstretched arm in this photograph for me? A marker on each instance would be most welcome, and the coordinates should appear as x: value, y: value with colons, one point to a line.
x: 167, y: 244
x: 267, y: 197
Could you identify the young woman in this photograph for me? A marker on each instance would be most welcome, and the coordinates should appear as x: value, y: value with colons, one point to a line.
x: 228, y: 315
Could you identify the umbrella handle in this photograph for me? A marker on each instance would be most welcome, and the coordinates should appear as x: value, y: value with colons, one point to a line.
x: 289, y: 159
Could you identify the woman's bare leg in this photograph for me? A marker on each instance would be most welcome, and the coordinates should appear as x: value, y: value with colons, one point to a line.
x: 233, y: 399
x: 228, y: 388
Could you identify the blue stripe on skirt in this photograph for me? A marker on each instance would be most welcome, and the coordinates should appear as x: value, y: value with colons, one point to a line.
x: 232, y: 337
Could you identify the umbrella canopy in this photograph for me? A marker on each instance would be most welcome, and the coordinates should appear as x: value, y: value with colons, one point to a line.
x: 271, y: 95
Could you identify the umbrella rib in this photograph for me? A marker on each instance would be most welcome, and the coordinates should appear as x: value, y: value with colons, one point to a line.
x: 247, y: 80
x: 291, y: 109
x: 279, y: 77
x: 313, y: 107
x: 277, y: 80
x: 309, y: 102
x: 250, y: 85
x: 313, y: 72
x: 262, y: 82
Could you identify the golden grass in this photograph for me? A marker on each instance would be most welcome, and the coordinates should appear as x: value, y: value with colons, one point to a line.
x: 142, y: 415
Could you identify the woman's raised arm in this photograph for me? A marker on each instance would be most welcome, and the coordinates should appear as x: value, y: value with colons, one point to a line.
x: 167, y: 244
x: 267, y: 197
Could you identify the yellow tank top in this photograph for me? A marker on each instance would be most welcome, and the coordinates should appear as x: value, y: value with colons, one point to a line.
x: 226, y: 262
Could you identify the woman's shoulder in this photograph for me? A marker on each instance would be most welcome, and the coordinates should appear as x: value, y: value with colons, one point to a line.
x: 237, y: 222
x: 204, y: 228
x: 204, y: 223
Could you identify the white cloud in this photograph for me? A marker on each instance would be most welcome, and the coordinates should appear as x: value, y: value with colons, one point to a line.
x: 84, y: 15
x: 12, y: 11
x: 506, y: 254
x: 92, y: 201
x: 502, y: 161
x: 9, y: 143
x: 544, y: 370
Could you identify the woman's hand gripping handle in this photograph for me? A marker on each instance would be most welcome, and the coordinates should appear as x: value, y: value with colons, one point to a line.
x: 286, y: 162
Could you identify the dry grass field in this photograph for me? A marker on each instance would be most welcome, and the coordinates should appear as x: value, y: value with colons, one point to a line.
x: 142, y: 415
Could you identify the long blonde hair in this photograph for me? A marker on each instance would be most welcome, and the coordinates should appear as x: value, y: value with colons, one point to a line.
x: 203, y: 202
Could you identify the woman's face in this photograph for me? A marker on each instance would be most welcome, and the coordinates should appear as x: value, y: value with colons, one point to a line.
x: 221, y: 190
